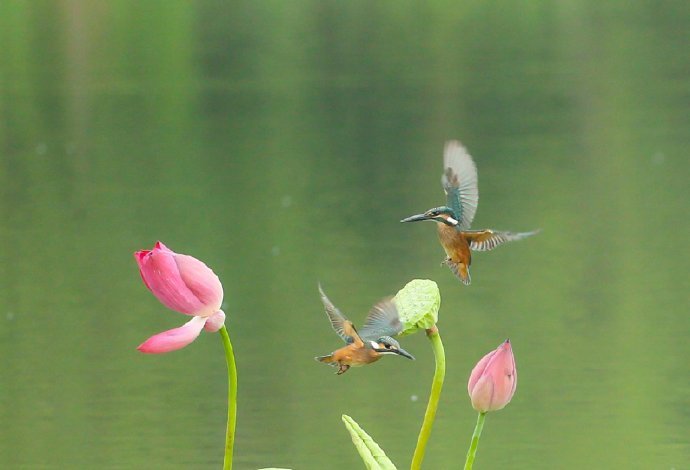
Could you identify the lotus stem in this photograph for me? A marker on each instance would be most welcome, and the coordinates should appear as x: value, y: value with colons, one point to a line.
x: 472, y: 451
x: 232, y: 398
x: 436, y: 386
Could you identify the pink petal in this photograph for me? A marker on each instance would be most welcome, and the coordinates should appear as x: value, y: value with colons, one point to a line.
x: 201, y: 281
x: 140, y: 256
x: 174, y: 339
x: 504, y: 375
x: 482, y: 394
x: 215, y: 322
x: 161, y: 275
x: 159, y: 246
x: 478, y: 371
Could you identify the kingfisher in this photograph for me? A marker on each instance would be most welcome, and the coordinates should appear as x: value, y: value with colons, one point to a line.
x: 453, y: 220
x: 372, y: 342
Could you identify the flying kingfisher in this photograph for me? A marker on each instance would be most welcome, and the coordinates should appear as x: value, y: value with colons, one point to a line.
x: 459, y: 182
x: 373, y: 340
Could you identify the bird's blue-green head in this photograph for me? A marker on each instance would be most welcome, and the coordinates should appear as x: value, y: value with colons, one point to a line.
x: 387, y: 345
x: 442, y: 214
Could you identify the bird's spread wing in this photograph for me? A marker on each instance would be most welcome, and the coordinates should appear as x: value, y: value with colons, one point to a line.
x: 485, y: 240
x: 460, y: 183
x: 342, y: 326
x: 382, y: 320
x: 351, y: 332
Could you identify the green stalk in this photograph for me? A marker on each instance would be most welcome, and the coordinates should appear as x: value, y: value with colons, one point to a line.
x: 436, y: 386
x: 232, y: 398
x: 472, y: 451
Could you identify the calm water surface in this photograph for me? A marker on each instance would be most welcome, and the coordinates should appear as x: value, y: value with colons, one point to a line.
x: 282, y: 143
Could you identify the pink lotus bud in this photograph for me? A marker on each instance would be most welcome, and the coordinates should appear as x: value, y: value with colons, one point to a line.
x: 184, y: 284
x: 493, y: 380
x: 180, y: 282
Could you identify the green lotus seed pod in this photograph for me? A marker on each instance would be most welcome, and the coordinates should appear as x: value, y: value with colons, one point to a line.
x: 418, y: 303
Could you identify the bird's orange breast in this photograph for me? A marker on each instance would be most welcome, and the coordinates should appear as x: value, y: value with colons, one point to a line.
x: 454, y: 244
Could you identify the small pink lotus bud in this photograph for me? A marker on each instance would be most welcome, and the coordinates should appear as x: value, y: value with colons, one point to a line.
x: 180, y: 282
x: 493, y: 380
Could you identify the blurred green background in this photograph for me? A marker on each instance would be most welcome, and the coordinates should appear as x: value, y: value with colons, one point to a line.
x: 281, y: 142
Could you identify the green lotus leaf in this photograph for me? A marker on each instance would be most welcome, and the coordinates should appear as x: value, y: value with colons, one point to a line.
x: 418, y: 303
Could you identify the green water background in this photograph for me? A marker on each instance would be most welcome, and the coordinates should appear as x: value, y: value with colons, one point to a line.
x: 281, y: 142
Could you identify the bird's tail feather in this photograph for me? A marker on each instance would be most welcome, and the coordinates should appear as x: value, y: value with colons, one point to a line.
x: 461, y: 270
x: 327, y: 359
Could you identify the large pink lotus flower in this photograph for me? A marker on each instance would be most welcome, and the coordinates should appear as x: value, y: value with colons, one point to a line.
x: 493, y: 380
x: 184, y: 284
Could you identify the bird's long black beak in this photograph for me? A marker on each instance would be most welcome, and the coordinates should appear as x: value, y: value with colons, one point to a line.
x: 399, y: 352
x: 415, y: 218
x: 403, y: 353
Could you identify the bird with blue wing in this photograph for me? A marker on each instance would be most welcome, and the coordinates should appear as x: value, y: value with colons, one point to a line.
x: 371, y: 343
x: 453, y: 220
